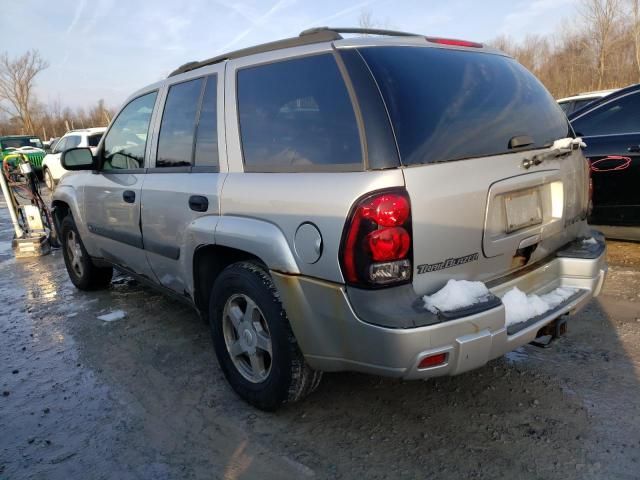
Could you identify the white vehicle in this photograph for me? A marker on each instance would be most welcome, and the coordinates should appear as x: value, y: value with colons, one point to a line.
x: 52, y: 169
x: 576, y: 102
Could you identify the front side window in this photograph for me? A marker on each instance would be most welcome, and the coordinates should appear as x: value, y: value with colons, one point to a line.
x: 175, y: 143
x: 125, y: 143
x: 618, y: 116
x: 296, y: 115
x: 206, y: 154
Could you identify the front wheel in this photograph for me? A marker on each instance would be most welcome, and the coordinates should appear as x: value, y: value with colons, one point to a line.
x: 255, y: 346
x: 82, y: 272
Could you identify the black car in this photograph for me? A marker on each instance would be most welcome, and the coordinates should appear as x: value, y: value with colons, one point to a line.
x: 611, y: 129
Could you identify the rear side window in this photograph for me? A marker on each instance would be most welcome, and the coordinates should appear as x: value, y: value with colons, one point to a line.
x: 618, y: 116
x: 175, y: 143
x: 206, y: 154
x: 296, y: 115
x: 567, y: 107
x: 450, y: 104
x: 94, y: 139
x: 578, y: 104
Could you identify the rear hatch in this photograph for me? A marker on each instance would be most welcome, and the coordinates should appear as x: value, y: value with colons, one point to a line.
x: 494, y: 180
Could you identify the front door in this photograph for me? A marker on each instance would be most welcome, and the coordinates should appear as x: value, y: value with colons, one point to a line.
x: 113, y: 195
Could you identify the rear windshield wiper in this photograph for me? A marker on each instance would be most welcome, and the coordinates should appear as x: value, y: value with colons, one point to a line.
x: 560, y: 148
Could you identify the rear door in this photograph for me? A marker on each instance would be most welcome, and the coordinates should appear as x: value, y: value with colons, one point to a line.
x: 468, y: 125
x: 184, y: 182
x: 612, y: 134
x: 113, y: 195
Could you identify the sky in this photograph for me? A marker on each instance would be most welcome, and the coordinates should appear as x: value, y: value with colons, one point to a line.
x: 109, y: 48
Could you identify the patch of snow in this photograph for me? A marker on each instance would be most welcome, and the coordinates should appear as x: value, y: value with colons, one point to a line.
x: 113, y: 316
x: 589, y: 241
x: 520, y: 307
x: 456, y: 294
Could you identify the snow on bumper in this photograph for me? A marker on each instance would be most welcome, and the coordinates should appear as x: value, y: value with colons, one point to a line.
x: 334, y: 338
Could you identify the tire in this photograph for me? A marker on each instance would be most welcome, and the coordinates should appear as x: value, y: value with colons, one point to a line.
x: 82, y: 272
x: 282, y: 376
x: 48, y: 180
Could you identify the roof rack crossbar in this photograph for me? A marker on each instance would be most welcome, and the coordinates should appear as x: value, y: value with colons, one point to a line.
x: 362, y: 31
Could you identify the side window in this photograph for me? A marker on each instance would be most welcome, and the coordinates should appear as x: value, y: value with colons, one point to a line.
x: 72, y: 141
x: 296, y: 115
x: 618, y: 116
x: 61, y: 145
x: 175, y: 143
x: 94, y: 140
x: 206, y: 154
x: 126, y: 141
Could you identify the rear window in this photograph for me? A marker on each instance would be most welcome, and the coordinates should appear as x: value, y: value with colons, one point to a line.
x: 296, y: 115
x: 450, y: 104
x: 21, y: 142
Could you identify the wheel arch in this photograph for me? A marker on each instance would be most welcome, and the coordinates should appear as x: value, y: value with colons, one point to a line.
x: 234, y: 239
x: 208, y: 262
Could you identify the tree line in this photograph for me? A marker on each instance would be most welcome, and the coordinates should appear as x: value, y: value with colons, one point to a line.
x: 22, y: 113
x: 597, y: 48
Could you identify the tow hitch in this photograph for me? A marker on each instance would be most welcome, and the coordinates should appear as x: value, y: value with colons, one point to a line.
x: 550, y: 332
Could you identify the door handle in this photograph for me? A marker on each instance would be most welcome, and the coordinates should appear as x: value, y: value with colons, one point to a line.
x: 198, y: 203
x: 634, y: 149
x: 129, y: 196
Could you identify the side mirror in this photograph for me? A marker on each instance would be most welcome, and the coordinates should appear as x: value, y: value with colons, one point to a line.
x: 78, y: 159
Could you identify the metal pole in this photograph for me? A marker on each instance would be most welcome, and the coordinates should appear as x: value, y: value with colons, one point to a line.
x: 8, y: 199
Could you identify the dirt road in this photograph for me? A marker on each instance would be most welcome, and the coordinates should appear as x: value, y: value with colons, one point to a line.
x: 142, y: 397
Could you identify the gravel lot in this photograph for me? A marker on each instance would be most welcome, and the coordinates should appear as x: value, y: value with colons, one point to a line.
x: 142, y: 396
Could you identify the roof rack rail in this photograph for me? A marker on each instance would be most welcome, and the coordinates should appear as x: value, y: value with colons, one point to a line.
x: 322, y: 35
x: 363, y: 31
x: 307, y: 37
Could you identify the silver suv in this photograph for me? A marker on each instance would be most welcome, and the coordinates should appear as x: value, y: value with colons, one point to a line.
x: 310, y: 196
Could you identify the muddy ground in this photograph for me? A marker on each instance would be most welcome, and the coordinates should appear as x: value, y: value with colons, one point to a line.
x: 142, y: 397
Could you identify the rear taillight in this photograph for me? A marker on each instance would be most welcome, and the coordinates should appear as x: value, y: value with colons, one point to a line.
x: 454, y: 42
x: 376, y: 244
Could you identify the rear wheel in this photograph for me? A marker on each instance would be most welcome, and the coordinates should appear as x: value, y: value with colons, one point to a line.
x: 255, y: 346
x: 82, y: 272
x: 48, y: 179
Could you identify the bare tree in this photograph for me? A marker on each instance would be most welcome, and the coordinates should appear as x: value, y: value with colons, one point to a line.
x: 16, y: 84
x: 601, y: 17
x: 635, y: 30
x: 365, y: 20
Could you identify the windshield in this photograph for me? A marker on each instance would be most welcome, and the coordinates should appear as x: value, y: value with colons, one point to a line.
x: 449, y: 104
x: 21, y: 142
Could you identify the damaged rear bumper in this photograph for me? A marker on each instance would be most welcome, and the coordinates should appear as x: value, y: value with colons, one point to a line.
x: 335, y: 336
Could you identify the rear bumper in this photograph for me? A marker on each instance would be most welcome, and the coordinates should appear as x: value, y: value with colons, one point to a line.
x: 333, y: 337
